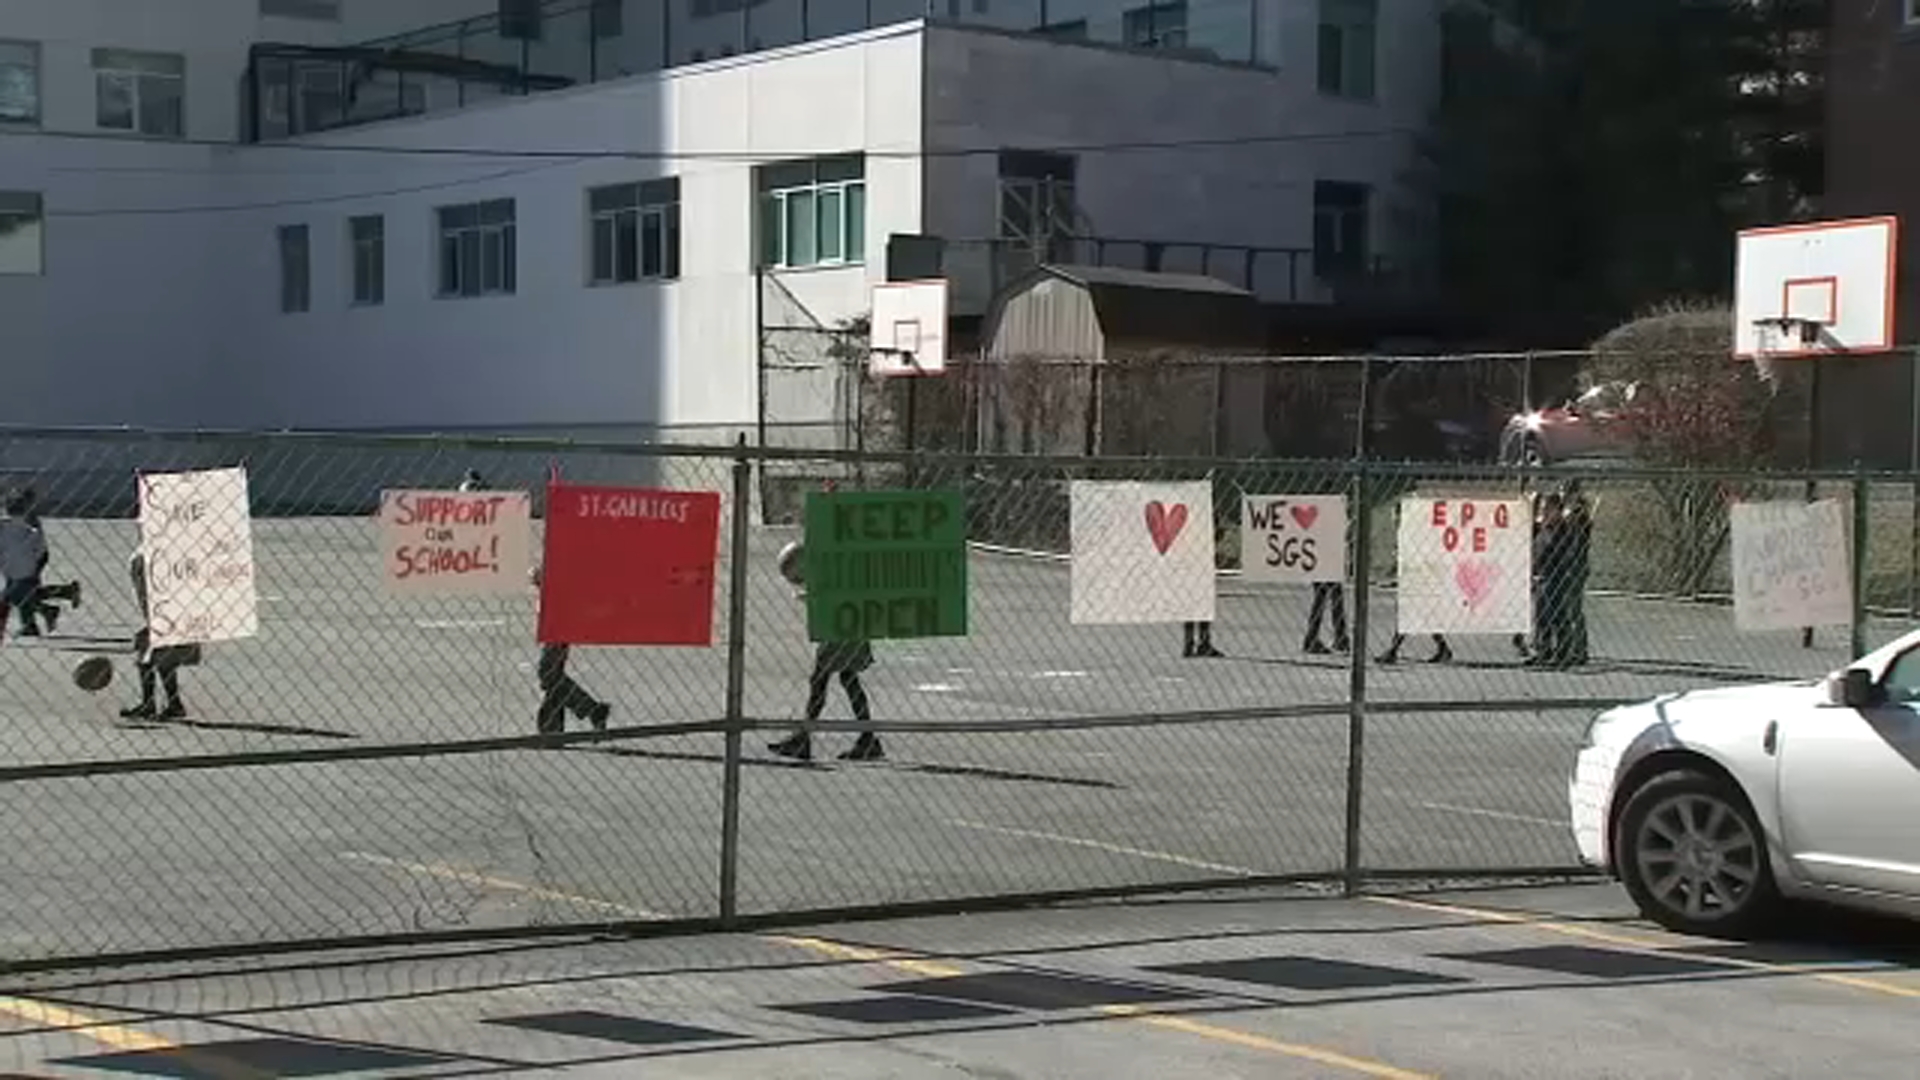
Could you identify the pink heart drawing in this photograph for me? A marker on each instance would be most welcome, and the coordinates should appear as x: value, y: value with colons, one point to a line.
x: 1476, y: 580
x: 1164, y: 523
x: 1305, y: 516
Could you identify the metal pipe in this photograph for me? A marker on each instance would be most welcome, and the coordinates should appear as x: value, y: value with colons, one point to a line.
x: 736, y: 687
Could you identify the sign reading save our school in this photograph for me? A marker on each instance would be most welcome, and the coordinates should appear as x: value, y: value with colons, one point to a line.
x: 885, y: 564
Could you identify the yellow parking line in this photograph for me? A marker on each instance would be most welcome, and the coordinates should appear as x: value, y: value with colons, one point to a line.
x: 67, y: 1021
x: 1317, y: 1054
x: 1856, y: 982
x: 487, y: 881
x: 899, y: 961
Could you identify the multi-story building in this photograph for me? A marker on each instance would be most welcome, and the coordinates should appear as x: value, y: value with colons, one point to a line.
x: 571, y: 217
x: 1873, y: 79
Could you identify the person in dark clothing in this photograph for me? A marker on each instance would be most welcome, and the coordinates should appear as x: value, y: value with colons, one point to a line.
x: 1442, y: 652
x: 1199, y: 641
x: 160, y: 664
x: 1551, y: 644
x: 561, y: 693
x: 1579, y: 563
x: 1329, y: 597
x: 844, y: 660
x: 34, y: 599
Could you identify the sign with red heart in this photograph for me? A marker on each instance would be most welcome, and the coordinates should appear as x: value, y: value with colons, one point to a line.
x: 1142, y: 553
x: 1466, y: 566
x: 1293, y: 539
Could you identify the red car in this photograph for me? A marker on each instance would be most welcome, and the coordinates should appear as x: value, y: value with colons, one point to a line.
x: 1592, y: 425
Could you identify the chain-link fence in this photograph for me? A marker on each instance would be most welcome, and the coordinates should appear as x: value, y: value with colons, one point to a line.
x: 366, y: 763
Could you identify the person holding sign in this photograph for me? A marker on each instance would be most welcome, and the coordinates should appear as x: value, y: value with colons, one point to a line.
x: 162, y: 663
x: 845, y: 659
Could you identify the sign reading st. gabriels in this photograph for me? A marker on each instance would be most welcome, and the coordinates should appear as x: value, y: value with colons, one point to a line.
x: 885, y: 564
x: 628, y: 566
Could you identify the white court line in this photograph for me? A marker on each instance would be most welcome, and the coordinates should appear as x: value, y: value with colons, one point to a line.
x: 1117, y: 849
x: 1500, y: 815
x: 936, y: 688
x: 1059, y: 675
x: 468, y: 877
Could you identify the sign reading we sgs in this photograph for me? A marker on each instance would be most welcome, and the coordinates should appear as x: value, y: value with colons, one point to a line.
x: 885, y: 564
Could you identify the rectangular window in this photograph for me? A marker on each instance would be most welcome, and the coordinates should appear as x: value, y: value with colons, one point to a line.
x: 1156, y: 26
x: 608, y: 18
x: 367, y: 237
x: 635, y: 231
x: 22, y: 233
x: 813, y: 213
x: 1340, y: 229
x: 1347, y: 46
x: 19, y: 82
x: 520, y: 20
x: 477, y: 249
x: 323, y: 10
x: 1913, y: 12
x: 1076, y: 30
x: 140, y: 92
x: 296, y: 293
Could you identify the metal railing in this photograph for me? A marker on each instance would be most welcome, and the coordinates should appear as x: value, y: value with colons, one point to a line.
x: 367, y: 767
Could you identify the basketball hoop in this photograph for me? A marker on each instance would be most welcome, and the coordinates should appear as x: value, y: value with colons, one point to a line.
x: 1777, y: 335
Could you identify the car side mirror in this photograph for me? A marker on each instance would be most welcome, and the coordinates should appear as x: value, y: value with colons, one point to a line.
x: 1854, y: 688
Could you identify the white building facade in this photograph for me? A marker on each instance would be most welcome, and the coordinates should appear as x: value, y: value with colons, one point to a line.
x: 590, y: 259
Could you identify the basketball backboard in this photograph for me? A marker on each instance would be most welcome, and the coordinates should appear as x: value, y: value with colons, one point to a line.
x: 909, y: 332
x: 1814, y: 289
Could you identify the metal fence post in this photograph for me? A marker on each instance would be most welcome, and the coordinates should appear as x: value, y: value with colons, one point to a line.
x: 1362, y: 551
x: 1860, y: 514
x: 736, y: 686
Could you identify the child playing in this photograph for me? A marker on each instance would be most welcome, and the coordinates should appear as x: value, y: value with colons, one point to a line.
x: 23, y: 551
x: 846, y: 659
x: 162, y: 663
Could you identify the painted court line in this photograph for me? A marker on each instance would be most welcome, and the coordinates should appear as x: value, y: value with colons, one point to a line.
x: 66, y: 1021
x: 1318, y: 1054
x: 487, y: 881
x: 1497, y: 815
x: 1116, y: 849
x: 1856, y: 982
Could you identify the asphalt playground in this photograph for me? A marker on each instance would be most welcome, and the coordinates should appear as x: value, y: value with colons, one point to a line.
x: 1548, y: 983
x: 628, y: 828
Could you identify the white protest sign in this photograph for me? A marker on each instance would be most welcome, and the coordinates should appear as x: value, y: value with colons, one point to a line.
x: 197, y: 534
x: 1466, y: 566
x: 456, y: 543
x: 1293, y: 539
x: 1142, y: 553
x: 1790, y: 566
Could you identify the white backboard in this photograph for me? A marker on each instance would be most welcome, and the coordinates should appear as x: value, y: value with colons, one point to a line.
x: 909, y: 334
x: 1835, y: 274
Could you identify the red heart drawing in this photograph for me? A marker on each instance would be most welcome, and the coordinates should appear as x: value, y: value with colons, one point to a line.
x: 1305, y: 516
x: 1476, y: 580
x: 1164, y: 523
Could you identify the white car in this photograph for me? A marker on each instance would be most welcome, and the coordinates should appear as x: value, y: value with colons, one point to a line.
x: 1714, y: 805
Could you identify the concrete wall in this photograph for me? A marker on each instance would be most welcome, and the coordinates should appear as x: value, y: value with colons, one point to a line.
x: 1263, y: 138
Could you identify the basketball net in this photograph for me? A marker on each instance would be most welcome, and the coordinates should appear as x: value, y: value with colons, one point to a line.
x: 1775, y: 335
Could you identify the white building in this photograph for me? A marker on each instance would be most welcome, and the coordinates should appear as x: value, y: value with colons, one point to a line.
x: 584, y: 259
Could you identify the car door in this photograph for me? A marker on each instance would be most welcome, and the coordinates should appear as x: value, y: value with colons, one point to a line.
x: 1850, y: 787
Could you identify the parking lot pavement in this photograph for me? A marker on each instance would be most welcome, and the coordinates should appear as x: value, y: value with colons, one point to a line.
x: 1535, y: 984
x: 113, y: 863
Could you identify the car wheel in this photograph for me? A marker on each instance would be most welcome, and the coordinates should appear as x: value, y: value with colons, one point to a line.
x: 1532, y: 452
x: 1694, y: 858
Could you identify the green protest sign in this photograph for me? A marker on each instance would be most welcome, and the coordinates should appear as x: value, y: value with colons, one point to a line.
x: 885, y: 564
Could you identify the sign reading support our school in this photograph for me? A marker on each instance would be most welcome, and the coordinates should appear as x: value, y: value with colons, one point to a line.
x: 455, y: 543
x: 628, y: 566
x: 885, y: 564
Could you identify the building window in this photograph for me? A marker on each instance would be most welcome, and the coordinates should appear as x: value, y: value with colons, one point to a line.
x: 140, y: 92
x: 367, y: 236
x: 22, y: 233
x: 608, y: 18
x: 296, y: 278
x: 1038, y: 208
x: 636, y: 231
x: 813, y: 213
x: 1913, y: 12
x: 1076, y: 30
x: 325, y: 10
x: 19, y: 82
x: 520, y: 20
x: 702, y: 9
x: 1347, y: 44
x: 1156, y: 26
x: 1340, y: 229
x: 477, y: 251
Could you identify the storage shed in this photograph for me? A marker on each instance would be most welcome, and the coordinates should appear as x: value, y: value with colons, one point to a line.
x: 1102, y: 360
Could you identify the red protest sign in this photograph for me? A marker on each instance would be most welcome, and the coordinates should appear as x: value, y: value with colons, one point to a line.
x: 628, y: 566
